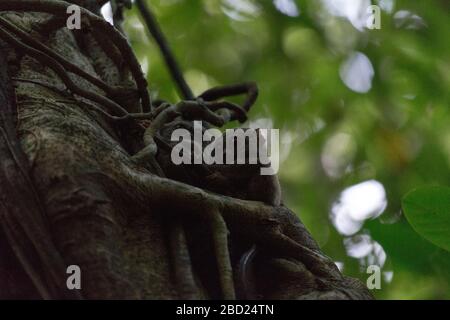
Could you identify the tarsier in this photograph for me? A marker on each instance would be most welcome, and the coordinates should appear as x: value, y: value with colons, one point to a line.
x: 242, y: 181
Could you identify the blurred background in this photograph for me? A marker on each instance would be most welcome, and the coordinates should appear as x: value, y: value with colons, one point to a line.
x: 363, y: 113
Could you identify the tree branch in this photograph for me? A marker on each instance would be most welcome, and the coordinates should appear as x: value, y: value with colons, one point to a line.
x: 156, y: 32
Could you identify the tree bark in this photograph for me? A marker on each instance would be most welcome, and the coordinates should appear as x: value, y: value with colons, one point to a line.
x: 71, y: 195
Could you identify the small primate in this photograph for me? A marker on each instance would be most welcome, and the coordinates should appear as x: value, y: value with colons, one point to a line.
x: 245, y: 181
x: 242, y: 181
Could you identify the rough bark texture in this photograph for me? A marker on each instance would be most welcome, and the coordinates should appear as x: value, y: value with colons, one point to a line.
x: 87, y: 203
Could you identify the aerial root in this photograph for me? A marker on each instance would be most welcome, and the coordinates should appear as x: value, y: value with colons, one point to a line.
x: 220, y: 240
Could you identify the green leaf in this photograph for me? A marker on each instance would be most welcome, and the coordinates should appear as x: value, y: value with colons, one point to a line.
x: 428, y: 211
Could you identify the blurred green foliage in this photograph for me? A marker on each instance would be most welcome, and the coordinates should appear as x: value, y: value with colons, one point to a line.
x: 352, y: 105
x: 428, y: 211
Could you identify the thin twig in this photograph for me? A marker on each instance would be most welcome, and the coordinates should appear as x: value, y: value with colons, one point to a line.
x: 156, y: 32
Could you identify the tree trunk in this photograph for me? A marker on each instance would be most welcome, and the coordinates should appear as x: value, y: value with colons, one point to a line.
x: 70, y: 194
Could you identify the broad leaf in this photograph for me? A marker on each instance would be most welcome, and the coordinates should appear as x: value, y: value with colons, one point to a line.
x: 428, y: 211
